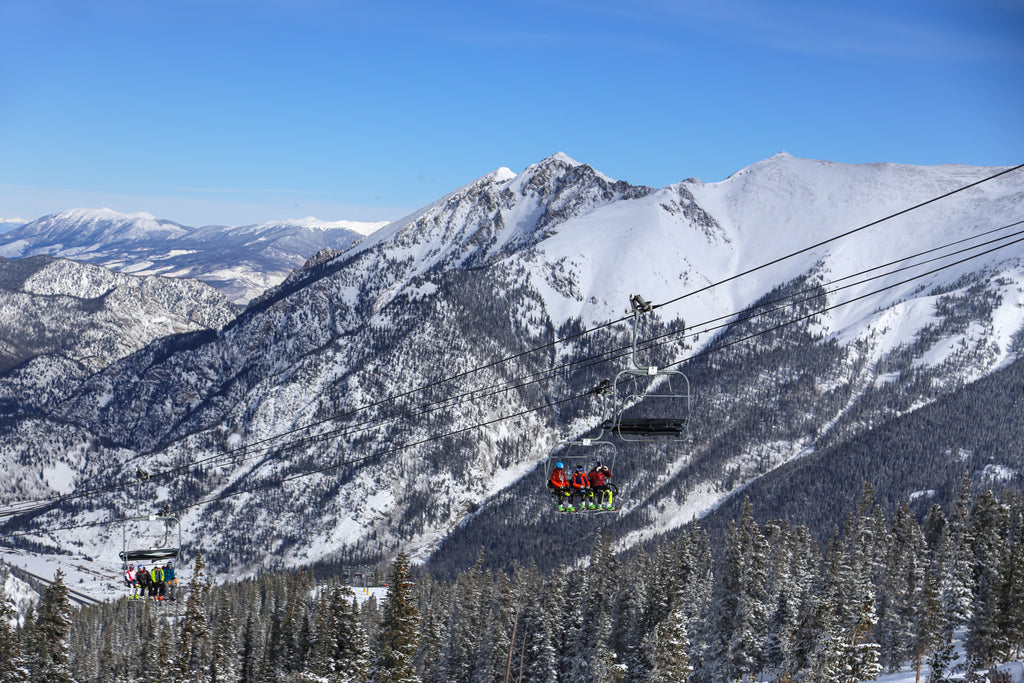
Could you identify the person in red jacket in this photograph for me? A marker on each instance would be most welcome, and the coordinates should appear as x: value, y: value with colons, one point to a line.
x: 581, y: 487
x: 559, y: 486
x: 600, y: 479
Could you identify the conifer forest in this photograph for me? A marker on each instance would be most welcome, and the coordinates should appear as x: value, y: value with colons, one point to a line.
x: 763, y: 603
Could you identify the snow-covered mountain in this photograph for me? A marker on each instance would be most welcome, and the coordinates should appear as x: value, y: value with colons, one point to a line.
x: 240, y: 261
x: 61, y: 321
x: 402, y: 392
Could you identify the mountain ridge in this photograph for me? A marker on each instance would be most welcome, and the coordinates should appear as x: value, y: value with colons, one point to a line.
x: 242, y: 261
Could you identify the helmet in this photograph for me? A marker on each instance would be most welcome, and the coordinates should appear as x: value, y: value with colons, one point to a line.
x: 599, y: 464
x: 131, y: 566
x: 579, y: 468
x: 559, y: 465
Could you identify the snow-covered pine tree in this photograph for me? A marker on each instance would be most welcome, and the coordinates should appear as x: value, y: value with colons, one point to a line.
x: 47, y: 643
x: 694, y: 571
x: 986, y: 642
x: 351, y: 649
x: 817, y: 641
x: 398, y: 634
x: 739, y: 609
x: 572, y: 660
x: 784, y: 592
x: 602, y: 581
x: 902, y: 592
x: 165, y: 668
x: 940, y: 664
x: 11, y: 670
x: 669, y: 649
x: 194, y: 640
x: 493, y: 659
x: 434, y: 606
x: 859, y: 655
x: 955, y: 562
x: 252, y: 652
x: 468, y: 623
x: 1011, y: 590
x: 223, y: 665
x: 107, y: 665
x: 321, y: 654
x: 541, y: 616
x: 929, y: 625
x: 635, y: 609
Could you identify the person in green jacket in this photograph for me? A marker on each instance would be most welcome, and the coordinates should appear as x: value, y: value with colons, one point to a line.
x: 157, y: 574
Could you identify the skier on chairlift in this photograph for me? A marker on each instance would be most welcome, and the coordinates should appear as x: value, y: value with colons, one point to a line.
x: 581, y: 487
x: 132, y: 580
x: 559, y: 486
x: 599, y: 477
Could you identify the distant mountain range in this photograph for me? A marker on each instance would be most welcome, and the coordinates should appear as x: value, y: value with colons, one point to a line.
x: 407, y: 391
x: 240, y: 261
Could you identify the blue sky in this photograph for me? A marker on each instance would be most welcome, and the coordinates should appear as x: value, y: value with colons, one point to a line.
x: 244, y: 111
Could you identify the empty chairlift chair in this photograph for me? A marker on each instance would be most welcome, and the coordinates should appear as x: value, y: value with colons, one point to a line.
x: 649, y: 403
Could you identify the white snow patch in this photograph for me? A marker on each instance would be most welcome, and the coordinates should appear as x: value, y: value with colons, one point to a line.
x: 60, y: 477
x: 997, y: 473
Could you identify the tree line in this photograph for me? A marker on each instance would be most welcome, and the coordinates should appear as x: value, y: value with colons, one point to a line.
x: 762, y: 602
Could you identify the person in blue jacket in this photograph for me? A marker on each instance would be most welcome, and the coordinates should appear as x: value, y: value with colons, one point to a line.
x: 170, y: 581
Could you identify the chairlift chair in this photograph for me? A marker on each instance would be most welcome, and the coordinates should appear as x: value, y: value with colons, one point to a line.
x: 150, y: 538
x: 585, y: 453
x: 649, y: 403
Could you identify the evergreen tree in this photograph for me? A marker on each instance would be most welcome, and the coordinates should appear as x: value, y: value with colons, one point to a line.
x: 670, y: 650
x: 739, y: 611
x: 252, y: 652
x: 902, y: 593
x: 542, y: 616
x: 48, y: 640
x: 165, y: 669
x: 435, y: 604
x: 398, y: 635
x: 10, y: 649
x: 817, y: 645
x: 940, y: 663
x: 321, y: 655
x: 929, y: 625
x: 986, y: 642
x: 955, y: 561
x: 222, y: 656
x: 1010, y: 599
x: 790, y: 574
x: 602, y: 581
x: 468, y: 622
x: 349, y: 656
x: 859, y: 655
x: 194, y: 641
